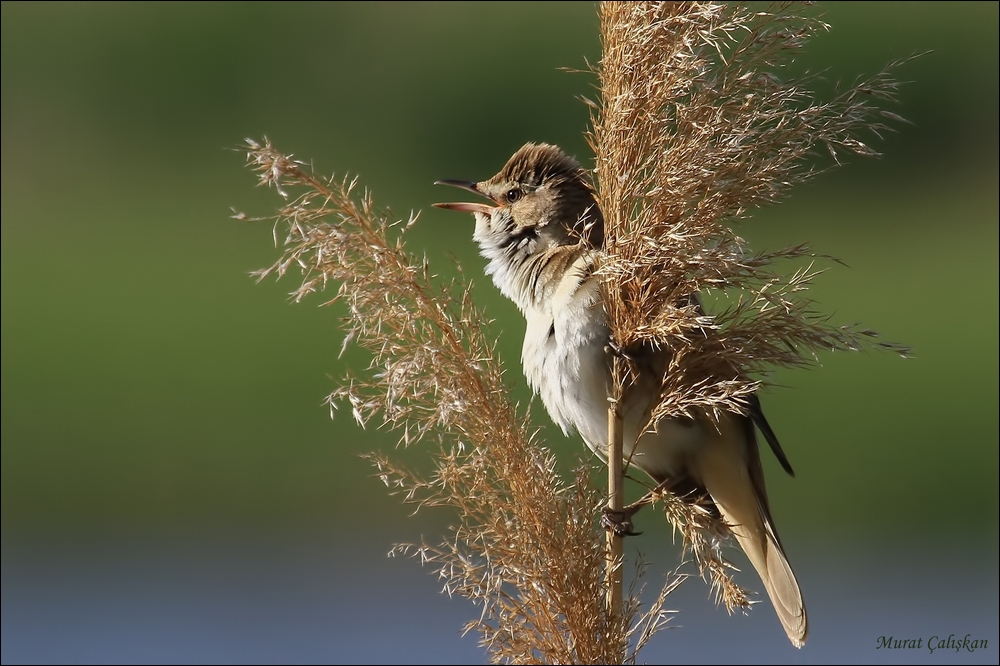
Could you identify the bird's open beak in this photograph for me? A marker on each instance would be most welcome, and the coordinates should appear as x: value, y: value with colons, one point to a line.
x: 485, y: 209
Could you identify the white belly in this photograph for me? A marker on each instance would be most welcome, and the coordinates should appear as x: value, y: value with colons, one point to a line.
x: 566, y: 364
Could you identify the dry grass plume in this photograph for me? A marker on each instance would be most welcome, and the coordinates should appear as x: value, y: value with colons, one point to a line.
x: 526, y: 546
x: 698, y: 123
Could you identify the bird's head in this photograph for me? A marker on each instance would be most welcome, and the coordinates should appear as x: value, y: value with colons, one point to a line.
x: 539, y: 200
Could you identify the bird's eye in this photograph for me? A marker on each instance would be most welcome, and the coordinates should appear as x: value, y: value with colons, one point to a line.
x: 513, y: 195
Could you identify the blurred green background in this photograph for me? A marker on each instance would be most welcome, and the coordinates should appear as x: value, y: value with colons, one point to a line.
x: 152, y: 390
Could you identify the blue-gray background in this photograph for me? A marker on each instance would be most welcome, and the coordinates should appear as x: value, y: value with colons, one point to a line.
x: 173, y: 489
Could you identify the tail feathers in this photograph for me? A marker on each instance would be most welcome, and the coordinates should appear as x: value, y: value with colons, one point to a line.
x: 767, y: 557
x: 781, y: 586
x: 736, y: 485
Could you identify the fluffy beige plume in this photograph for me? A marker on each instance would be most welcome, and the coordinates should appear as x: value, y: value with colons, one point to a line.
x: 698, y: 123
x: 526, y: 545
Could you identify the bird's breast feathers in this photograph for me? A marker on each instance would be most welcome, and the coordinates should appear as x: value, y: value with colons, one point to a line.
x: 563, y: 354
x: 566, y: 363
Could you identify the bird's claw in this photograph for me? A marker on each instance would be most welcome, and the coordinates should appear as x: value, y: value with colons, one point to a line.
x: 630, y: 353
x: 619, y: 521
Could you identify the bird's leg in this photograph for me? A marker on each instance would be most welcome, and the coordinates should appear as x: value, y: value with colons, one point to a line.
x: 612, y: 348
x: 620, y: 521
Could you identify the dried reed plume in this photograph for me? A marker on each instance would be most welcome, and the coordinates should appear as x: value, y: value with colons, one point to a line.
x: 698, y: 123
x: 525, y: 546
x: 694, y: 128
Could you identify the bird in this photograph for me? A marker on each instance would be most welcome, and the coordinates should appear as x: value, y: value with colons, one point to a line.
x: 541, y: 232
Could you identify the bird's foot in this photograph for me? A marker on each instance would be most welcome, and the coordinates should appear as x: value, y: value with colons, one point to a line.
x: 614, y: 349
x: 619, y: 521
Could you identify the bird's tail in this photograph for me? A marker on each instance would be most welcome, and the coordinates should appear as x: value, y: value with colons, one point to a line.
x: 736, y: 484
x: 769, y: 560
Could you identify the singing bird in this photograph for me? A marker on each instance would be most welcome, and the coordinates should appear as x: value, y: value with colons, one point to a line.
x: 542, y: 233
